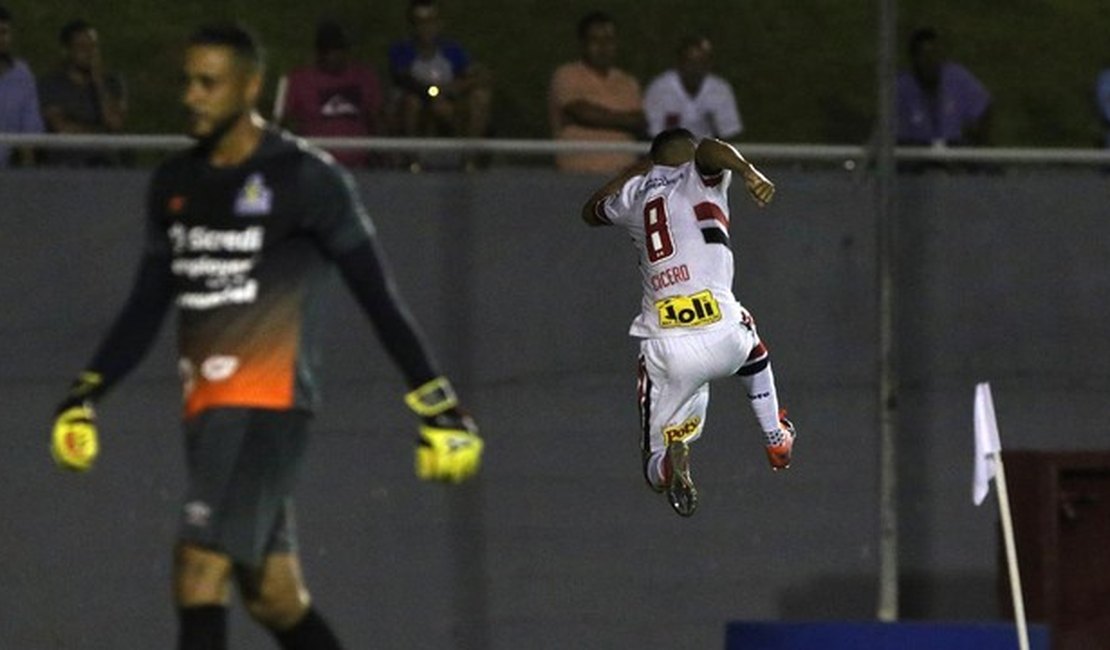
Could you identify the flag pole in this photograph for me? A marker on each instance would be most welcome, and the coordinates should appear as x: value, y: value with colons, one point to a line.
x: 1011, y: 550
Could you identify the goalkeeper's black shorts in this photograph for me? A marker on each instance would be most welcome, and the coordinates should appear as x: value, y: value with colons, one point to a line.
x: 242, y: 466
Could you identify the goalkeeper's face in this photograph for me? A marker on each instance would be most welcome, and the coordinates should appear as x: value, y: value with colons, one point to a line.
x: 219, y: 90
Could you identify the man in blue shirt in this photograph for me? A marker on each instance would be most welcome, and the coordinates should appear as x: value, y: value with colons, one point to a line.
x: 940, y: 102
x: 19, y: 99
x: 1102, y: 97
x: 441, y: 91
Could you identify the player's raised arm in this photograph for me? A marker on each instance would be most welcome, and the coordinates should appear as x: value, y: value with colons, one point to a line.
x: 592, y: 212
x: 713, y: 155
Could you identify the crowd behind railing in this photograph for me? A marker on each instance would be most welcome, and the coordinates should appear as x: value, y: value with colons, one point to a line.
x: 434, y: 105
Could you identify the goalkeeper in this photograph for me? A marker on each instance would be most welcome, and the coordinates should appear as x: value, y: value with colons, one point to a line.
x: 242, y: 233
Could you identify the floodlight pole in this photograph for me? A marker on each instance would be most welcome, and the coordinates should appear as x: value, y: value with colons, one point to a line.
x: 886, y: 220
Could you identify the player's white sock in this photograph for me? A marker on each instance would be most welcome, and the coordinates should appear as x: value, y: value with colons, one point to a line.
x: 764, y: 400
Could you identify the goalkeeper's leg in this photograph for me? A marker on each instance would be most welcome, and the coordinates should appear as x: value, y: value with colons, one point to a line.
x: 201, y: 589
x: 276, y: 597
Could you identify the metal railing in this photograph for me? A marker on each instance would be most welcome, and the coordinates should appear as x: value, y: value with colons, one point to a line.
x: 853, y: 154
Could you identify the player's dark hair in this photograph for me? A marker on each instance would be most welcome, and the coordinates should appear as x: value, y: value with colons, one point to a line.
x: 238, y: 38
x: 591, y: 19
x: 331, y: 36
x: 920, y: 37
x: 71, y: 29
x: 5, y: 15
x: 666, y: 139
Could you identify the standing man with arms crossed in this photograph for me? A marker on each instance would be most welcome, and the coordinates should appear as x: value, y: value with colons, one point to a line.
x: 691, y: 326
x: 241, y: 235
x: 82, y: 96
x: 593, y: 99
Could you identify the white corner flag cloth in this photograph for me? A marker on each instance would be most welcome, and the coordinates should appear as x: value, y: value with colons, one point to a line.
x: 987, y: 446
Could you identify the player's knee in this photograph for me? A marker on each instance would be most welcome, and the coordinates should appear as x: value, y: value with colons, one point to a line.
x: 276, y: 607
x: 201, y: 576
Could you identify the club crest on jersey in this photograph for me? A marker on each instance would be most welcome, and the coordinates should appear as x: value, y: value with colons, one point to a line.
x: 254, y: 198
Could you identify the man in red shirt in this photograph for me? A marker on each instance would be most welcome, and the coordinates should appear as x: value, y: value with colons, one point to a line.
x: 335, y: 97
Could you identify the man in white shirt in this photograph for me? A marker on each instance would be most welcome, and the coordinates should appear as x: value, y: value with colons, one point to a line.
x: 689, y: 96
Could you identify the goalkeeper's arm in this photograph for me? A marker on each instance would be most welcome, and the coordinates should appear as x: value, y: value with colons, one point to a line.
x: 74, y: 442
x: 448, y: 448
x: 367, y: 276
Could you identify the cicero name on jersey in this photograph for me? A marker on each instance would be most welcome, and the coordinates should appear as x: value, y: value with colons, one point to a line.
x: 670, y: 275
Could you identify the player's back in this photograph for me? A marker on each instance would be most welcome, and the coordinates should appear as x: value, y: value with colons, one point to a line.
x: 678, y: 220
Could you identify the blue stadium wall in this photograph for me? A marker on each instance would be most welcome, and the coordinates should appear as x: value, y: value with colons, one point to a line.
x: 559, y: 544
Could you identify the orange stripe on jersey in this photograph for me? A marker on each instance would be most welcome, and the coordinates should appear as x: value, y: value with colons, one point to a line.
x: 264, y: 380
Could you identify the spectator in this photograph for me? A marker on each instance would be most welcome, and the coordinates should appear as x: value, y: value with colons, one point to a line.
x: 592, y: 99
x: 940, y: 102
x: 83, y: 97
x: 19, y: 99
x: 441, y: 91
x: 689, y: 96
x: 336, y: 97
x: 1102, y: 96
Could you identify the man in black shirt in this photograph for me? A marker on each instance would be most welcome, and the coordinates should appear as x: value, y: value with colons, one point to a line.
x: 242, y: 231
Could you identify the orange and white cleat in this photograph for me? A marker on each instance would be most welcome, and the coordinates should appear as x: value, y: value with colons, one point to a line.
x: 780, y: 443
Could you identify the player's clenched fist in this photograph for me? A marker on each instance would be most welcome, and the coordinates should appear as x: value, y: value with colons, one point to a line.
x: 74, y: 443
x: 448, y: 447
x: 759, y: 186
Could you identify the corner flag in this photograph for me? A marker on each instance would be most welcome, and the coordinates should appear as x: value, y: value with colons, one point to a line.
x: 988, y: 465
x: 987, y: 446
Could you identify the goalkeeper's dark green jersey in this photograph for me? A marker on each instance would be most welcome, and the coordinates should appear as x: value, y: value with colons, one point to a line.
x: 244, y: 253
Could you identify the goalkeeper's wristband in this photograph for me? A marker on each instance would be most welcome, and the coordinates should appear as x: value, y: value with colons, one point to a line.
x: 433, y: 398
x: 86, y: 387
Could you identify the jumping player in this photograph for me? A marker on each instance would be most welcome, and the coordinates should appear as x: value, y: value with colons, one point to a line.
x: 242, y: 233
x: 692, y: 328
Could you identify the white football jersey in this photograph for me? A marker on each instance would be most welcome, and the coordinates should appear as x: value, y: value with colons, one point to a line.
x: 678, y: 220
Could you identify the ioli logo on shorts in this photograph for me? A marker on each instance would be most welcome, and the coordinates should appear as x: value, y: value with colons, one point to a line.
x: 682, y: 431
x: 688, y: 311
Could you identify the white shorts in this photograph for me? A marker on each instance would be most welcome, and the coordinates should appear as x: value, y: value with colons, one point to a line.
x: 674, y: 375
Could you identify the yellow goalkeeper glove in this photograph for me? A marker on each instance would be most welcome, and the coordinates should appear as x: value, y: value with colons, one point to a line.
x: 451, y: 455
x: 448, y: 448
x: 74, y: 443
